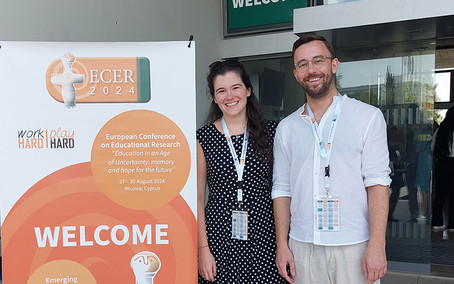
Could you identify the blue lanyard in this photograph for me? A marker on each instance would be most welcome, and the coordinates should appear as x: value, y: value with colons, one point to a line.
x: 239, y: 164
x: 326, y: 152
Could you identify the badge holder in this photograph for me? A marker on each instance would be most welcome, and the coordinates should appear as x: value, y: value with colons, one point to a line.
x: 240, y: 219
x: 327, y: 213
x: 327, y: 209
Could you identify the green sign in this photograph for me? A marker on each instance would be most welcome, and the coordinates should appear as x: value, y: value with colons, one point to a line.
x: 247, y: 14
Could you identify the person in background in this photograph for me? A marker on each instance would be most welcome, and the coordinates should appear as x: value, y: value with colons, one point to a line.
x: 396, y: 145
x: 444, y: 177
x: 424, y: 168
x: 236, y: 237
x: 411, y: 161
x: 330, y: 179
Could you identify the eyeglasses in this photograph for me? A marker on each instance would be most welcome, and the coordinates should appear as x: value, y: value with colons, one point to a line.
x: 317, y: 62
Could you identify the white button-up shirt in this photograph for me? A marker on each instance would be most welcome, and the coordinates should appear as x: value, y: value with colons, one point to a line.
x: 359, y: 159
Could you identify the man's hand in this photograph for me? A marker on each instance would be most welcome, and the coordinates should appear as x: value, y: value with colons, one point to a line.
x: 374, y: 264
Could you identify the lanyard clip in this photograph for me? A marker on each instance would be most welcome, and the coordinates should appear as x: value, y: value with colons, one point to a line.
x: 327, y: 171
x: 239, y: 196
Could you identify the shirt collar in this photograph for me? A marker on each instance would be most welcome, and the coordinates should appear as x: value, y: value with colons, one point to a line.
x: 333, y: 103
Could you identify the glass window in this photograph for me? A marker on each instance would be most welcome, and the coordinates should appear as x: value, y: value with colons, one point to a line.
x: 443, y: 83
x: 403, y: 87
x: 275, y: 86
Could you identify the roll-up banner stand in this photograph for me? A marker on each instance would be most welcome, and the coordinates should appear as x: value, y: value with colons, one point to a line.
x: 98, y: 178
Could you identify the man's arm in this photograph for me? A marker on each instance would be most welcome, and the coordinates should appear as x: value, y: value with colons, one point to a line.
x: 281, y: 196
x: 284, y: 257
x: 374, y: 262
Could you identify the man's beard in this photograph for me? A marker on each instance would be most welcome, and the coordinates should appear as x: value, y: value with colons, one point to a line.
x: 320, y: 91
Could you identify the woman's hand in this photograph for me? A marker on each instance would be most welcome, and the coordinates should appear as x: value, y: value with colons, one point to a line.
x: 207, y: 264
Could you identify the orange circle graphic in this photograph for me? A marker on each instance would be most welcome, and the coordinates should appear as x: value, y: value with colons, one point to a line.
x: 140, y: 159
x: 71, y: 208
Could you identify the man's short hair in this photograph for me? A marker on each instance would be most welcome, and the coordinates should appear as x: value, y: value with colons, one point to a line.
x: 311, y: 37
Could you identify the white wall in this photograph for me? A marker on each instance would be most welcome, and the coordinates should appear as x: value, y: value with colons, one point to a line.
x: 256, y: 45
x: 120, y: 20
x: 367, y: 12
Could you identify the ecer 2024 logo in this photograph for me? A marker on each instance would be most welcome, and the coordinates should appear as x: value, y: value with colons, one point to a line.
x: 72, y: 80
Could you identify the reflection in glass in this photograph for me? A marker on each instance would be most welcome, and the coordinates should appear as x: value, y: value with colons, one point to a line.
x: 403, y: 88
x: 443, y: 83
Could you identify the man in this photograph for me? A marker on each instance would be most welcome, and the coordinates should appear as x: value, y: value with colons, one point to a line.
x: 331, y: 157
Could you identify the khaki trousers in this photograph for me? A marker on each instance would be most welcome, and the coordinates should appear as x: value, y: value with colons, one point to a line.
x: 328, y: 264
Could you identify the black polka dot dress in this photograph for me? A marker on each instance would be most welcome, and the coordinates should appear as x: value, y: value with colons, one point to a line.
x: 239, y: 261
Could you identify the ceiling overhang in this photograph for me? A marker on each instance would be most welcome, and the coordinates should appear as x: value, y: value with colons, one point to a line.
x: 393, y: 26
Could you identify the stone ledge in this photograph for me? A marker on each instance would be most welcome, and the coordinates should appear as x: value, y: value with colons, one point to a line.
x: 392, y: 277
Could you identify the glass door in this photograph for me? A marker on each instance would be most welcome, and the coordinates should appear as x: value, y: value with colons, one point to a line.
x: 399, y: 79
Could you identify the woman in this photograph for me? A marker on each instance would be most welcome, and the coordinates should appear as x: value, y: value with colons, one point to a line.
x: 239, y: 178
x: 444, y: 169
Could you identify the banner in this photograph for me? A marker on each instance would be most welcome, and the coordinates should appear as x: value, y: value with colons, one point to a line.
x: 98, y: 162
x: 258, y: 15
